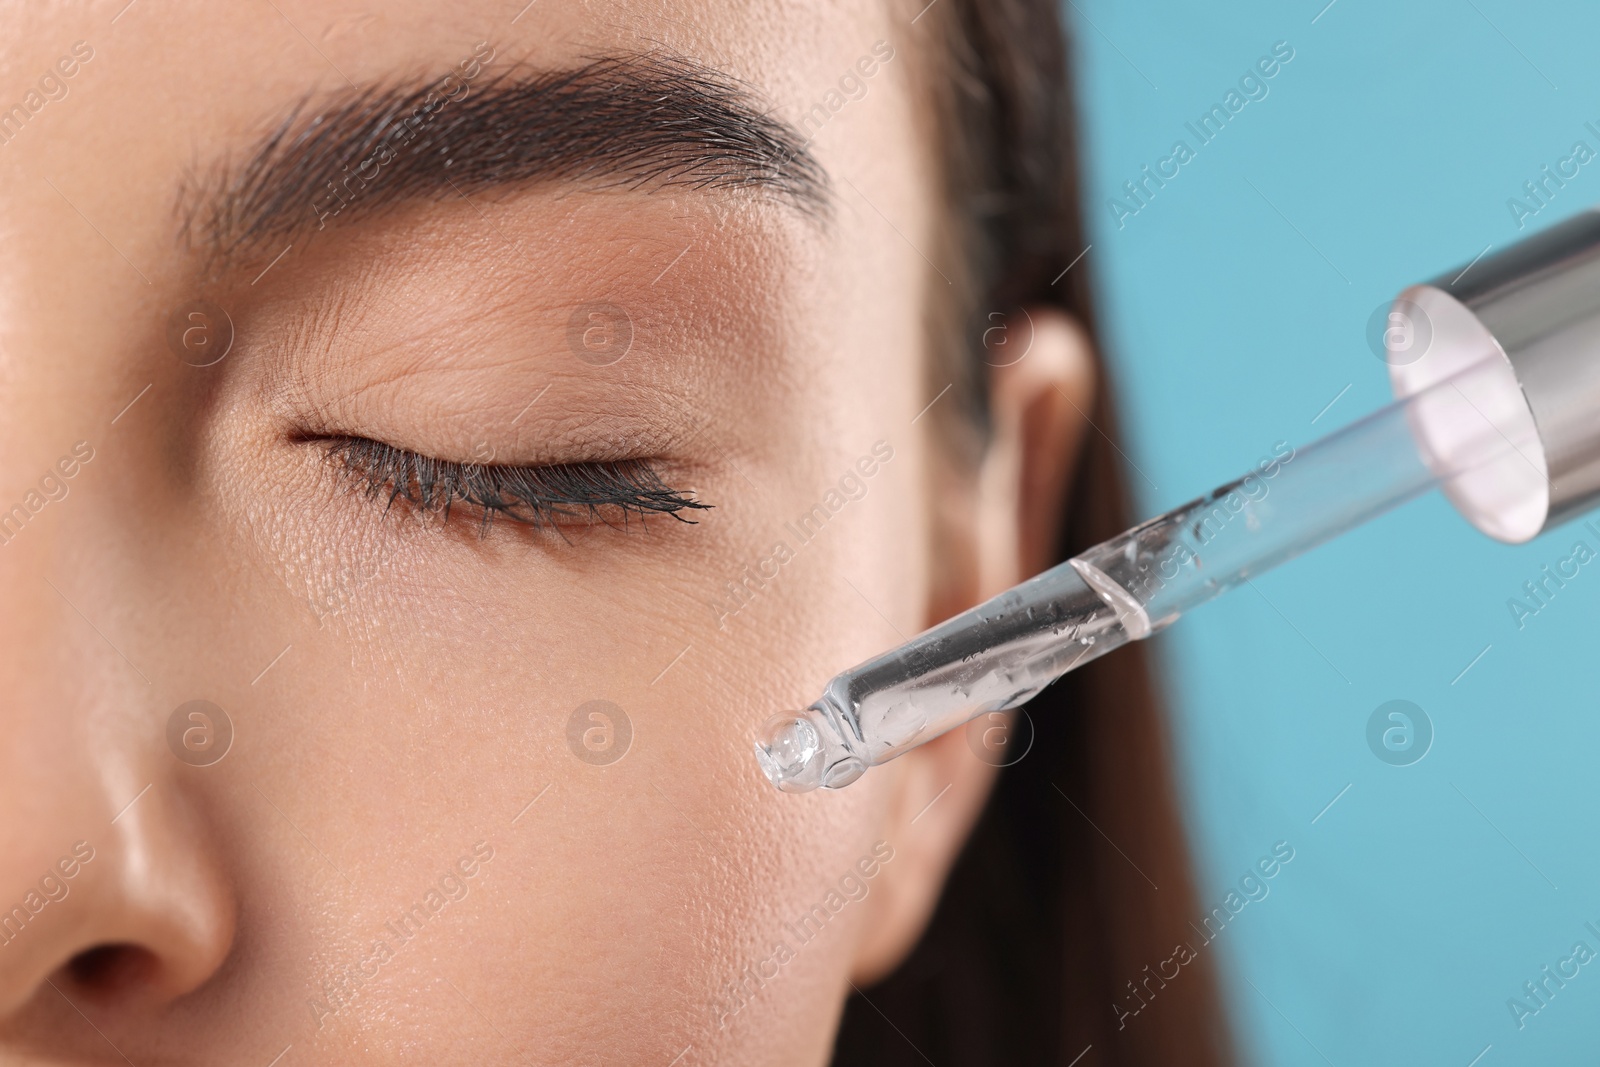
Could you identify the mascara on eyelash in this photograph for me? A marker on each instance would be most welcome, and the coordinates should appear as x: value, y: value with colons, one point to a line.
x: 532, y: 496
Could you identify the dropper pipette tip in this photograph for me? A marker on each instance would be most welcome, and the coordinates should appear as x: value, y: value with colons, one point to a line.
x: 790, y: 752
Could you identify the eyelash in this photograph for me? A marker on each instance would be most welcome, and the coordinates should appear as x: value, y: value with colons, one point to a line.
x: 531, y: 496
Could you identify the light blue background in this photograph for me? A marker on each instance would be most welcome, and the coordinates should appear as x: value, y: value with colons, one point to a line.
x: 1427, y: 895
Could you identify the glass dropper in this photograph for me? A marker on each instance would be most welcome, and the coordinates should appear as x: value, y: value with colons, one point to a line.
x: 1459, y: 433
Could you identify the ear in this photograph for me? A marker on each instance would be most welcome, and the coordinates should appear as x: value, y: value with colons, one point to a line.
x: 994, y: 528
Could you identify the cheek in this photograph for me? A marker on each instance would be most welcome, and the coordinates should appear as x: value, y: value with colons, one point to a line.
x: 675, y: 864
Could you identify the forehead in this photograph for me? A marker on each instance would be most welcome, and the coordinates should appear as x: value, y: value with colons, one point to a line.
x: 350, y: 38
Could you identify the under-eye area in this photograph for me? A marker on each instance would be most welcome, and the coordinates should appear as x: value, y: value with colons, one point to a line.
x: 613, y: 492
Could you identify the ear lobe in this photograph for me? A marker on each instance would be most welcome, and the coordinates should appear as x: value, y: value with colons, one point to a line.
x: 1038, y: 405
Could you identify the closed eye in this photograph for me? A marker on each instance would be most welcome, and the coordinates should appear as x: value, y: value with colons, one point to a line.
x: 551, y: 495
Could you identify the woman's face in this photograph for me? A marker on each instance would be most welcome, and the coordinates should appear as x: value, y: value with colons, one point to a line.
x: 486, y: 792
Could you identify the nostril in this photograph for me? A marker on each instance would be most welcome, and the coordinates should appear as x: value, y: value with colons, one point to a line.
x: 111, y: 970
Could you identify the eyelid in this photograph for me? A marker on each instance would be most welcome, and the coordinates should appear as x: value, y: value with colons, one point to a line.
x: 538, y: 496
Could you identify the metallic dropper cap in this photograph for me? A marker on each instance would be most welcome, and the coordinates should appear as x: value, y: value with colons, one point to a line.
x: 1537, y: 305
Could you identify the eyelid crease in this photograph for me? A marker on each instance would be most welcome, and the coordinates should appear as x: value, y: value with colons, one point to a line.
x: 536, y: 496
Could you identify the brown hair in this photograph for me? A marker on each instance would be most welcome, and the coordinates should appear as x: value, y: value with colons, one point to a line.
x: 1075, y: 885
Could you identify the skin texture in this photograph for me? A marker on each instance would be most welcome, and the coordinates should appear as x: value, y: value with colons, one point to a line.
x: 400, y: 687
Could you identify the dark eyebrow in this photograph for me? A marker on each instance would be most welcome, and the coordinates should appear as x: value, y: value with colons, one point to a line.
x: 632, y: 121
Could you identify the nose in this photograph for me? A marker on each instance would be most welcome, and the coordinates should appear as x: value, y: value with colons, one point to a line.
x: 138, y: 919
x: 112, y: 887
